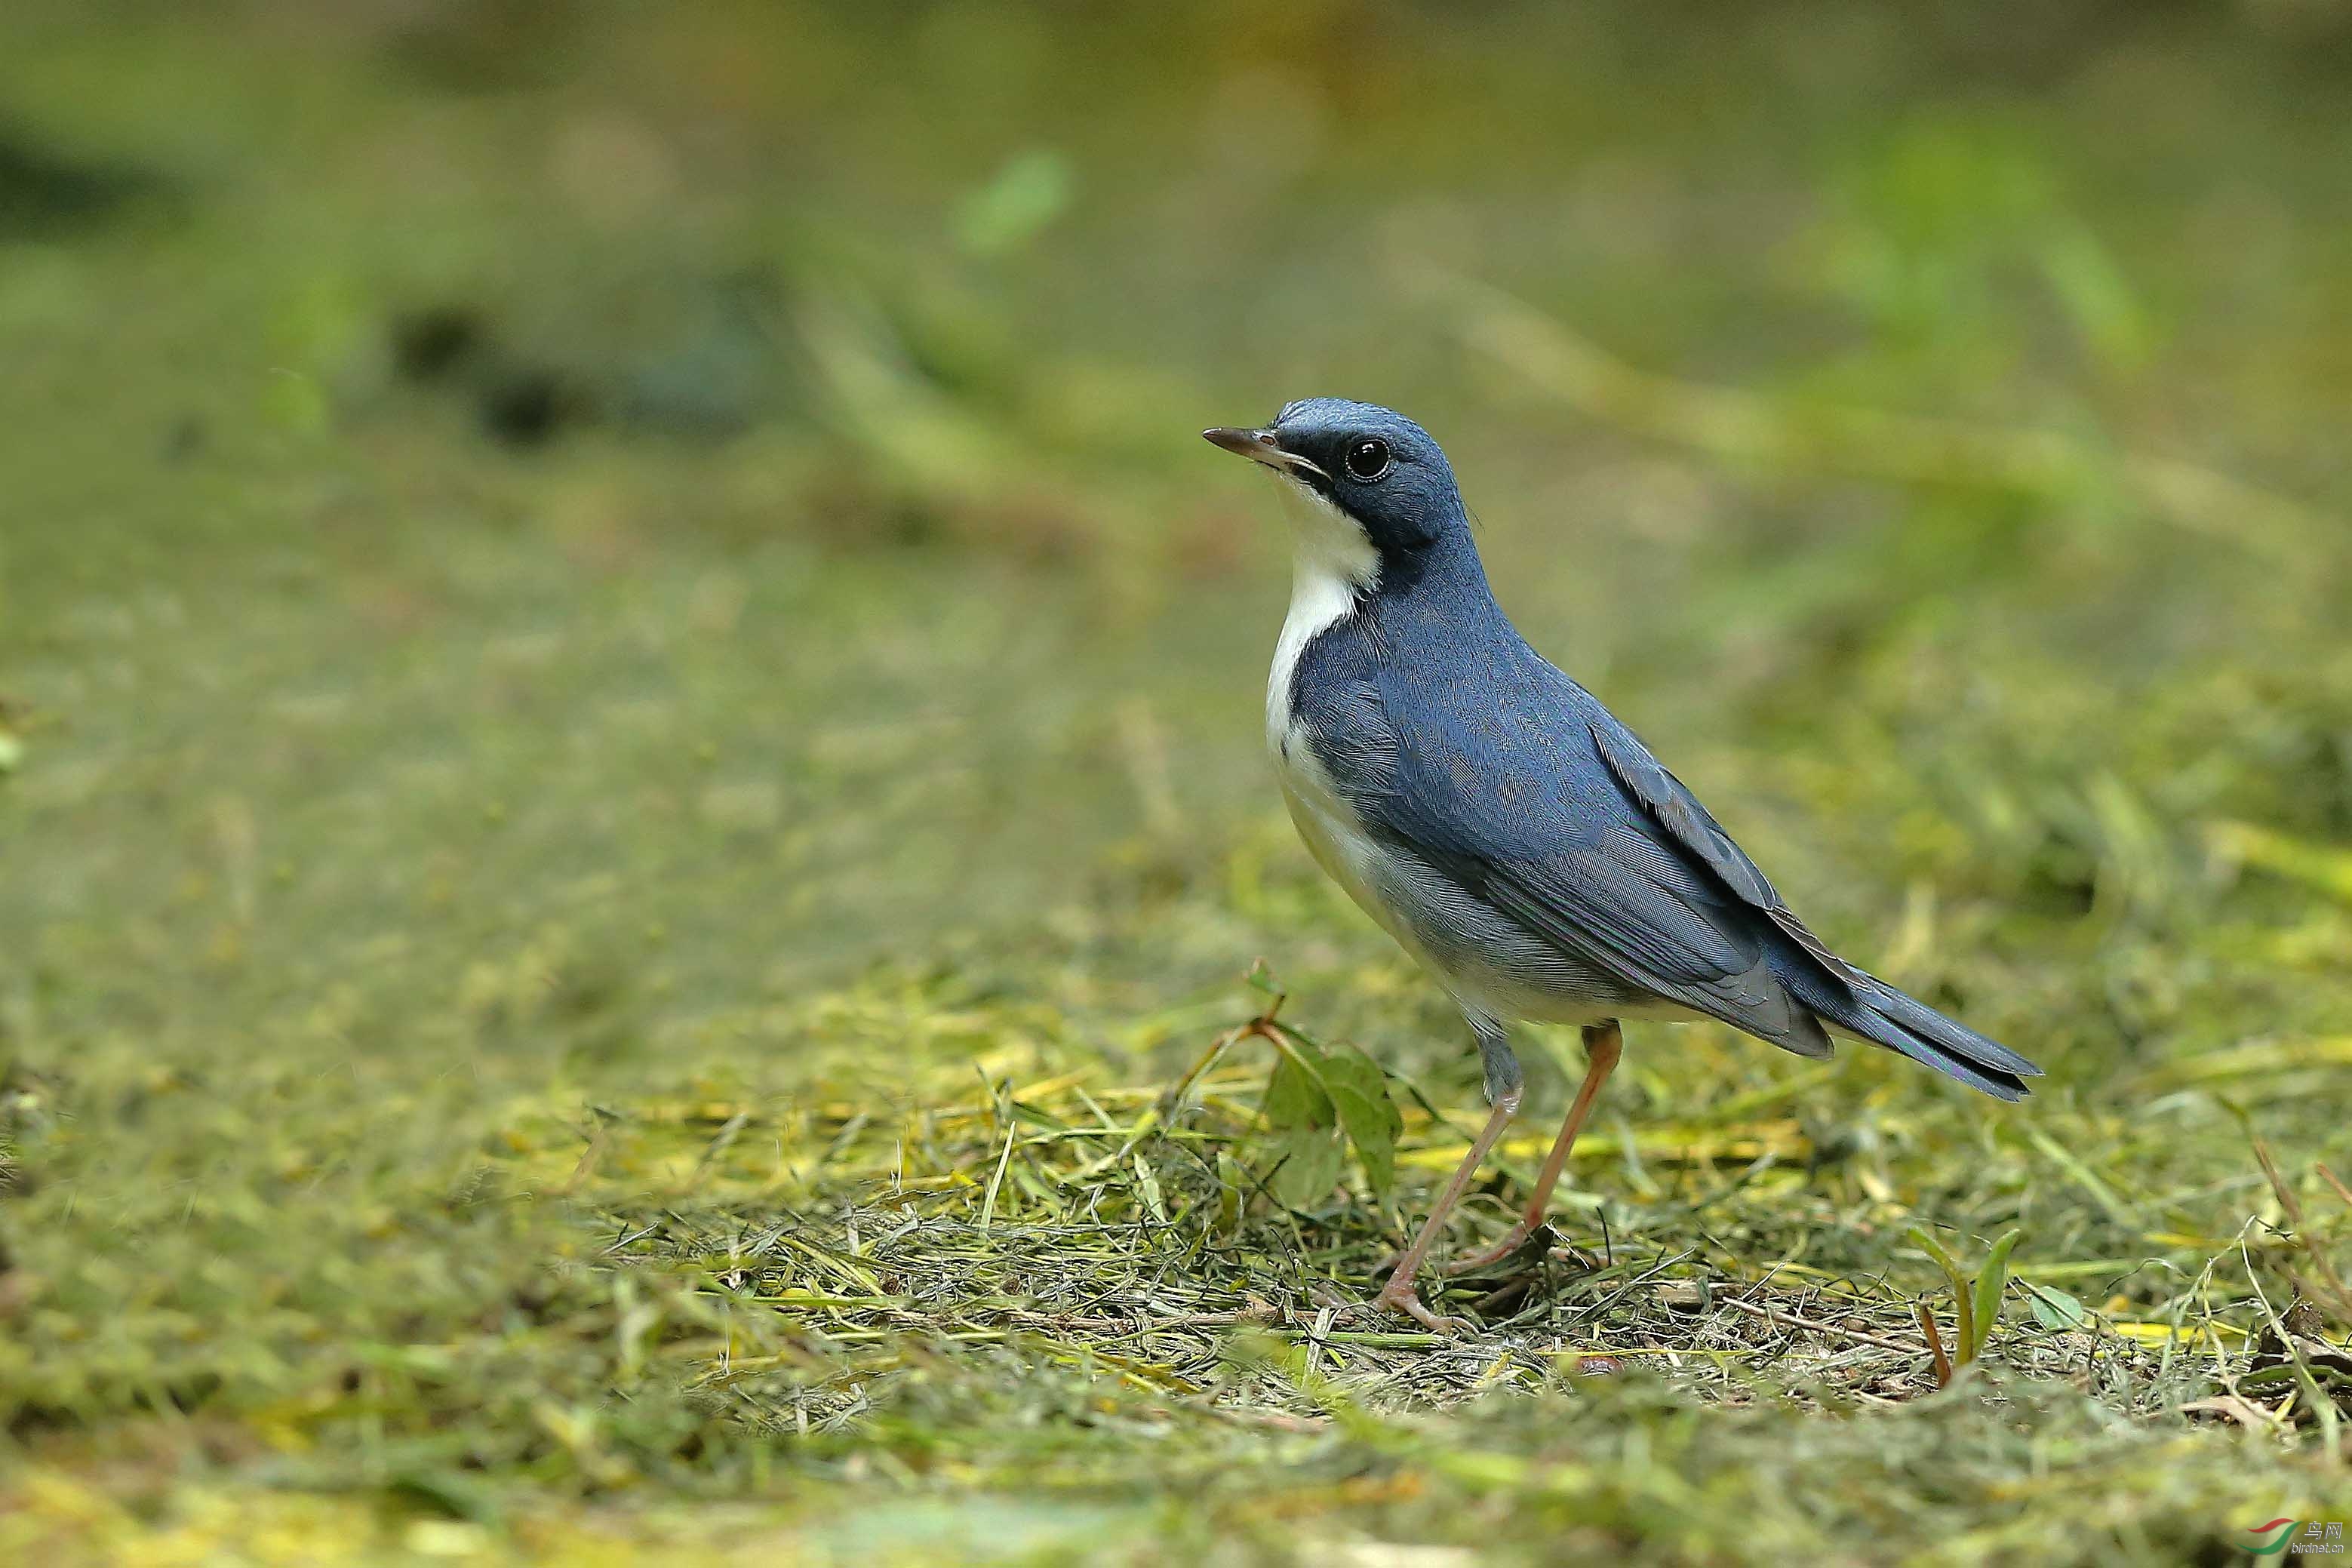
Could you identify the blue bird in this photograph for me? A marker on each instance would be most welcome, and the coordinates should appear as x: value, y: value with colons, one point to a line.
x: 1502, y: 825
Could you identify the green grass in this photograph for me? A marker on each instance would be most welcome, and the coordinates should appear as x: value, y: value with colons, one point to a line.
x: 621, y: 996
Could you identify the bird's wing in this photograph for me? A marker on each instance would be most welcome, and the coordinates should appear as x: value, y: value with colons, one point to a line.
x: 1828, y: 986
x: 1623, y: 905
x: 1516, y: 785
x: 1672, y: 806
x: 1519, y: 805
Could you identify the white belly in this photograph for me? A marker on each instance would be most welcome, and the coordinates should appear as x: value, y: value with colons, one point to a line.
x: 1337, y: 839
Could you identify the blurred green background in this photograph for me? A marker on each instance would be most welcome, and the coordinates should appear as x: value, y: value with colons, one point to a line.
x: 560, y: 557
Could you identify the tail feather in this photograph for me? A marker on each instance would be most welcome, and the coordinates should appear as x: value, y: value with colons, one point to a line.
x: 1918, y: 1016
x: 1877, y: 1012
x: 1998, y: 1082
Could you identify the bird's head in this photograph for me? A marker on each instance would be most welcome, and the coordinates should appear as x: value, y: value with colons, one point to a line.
x: 1379, y: 492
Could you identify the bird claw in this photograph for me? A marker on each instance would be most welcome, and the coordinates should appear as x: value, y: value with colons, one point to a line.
x: 1514, y: 1241
x: 1522, y: 1241
x: 1405, y: 1299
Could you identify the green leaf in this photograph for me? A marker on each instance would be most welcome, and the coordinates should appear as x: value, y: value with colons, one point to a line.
x: 1231, y: 1186
x: 1360, y: 1091
x: 1149, y: 1185
x: 1295, y: 1095
x: 296, y: 402
x: 2054, y: 1309
x: 1025, y: 195
x: 1992, y: 1280
x: 1928, y: 1244
x: 1310, y: 1160
x: 2095, y: 294
x: 1962, y: 1309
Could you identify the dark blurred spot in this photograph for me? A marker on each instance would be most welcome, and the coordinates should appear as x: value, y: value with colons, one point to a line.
x: 527, y: 408
x: 44, y: 189
x: 2212, y: 1552
x: 432, y: 344
x: 1504, y: 1300
x: 486, y: 45
x: 2068, y: 890
x: 914, y: 525
x: 1832, y: 1147
x: 443, y: 1491
x: 186, y: 1393
x: 452, y: 346
x: 184, y: 440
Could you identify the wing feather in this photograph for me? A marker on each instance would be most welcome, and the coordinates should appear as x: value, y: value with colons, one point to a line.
x: 1506, y: 779
x: 1672, y: 807
x: 1577, y: 857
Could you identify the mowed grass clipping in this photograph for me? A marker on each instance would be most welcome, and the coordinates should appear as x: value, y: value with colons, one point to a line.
x: 879, y: 1317
x: 635, y: 879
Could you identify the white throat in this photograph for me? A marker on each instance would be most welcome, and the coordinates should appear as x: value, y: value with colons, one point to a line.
x: 1331, y: 563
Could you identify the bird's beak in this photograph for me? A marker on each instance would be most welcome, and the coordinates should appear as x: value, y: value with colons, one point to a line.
x: 1260, y: 447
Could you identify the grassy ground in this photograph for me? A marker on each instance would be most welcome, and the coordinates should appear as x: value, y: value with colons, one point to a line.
x: 629, y: 779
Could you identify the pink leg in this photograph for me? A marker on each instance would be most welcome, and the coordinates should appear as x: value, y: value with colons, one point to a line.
x: 1602, y: 1044
x: 1398, y: 1293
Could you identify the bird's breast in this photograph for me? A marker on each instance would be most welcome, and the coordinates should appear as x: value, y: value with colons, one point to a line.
x: 1335, y: 836
x: 1493, y: 966
x: 1318, y: 602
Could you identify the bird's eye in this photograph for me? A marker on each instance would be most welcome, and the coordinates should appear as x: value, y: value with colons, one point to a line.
x: 1368, y: 460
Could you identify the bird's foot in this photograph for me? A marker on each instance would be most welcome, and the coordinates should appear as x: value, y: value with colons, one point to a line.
x: 1399, y: 1295
x: 1513, y: 1241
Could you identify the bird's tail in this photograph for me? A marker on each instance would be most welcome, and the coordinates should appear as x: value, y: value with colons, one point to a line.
x: 1906, y: 1024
